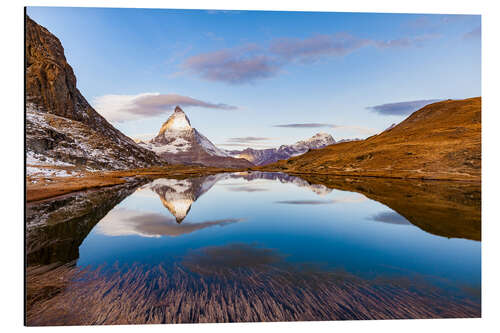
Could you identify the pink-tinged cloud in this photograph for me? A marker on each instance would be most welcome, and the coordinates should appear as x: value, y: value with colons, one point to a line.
x: 249, y: 63
x: 313, y: 48
x: 119, y: 108
x: 238, y: 65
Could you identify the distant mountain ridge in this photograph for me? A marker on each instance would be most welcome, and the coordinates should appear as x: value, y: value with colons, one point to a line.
x: 271, y: 155
x: 178, y: 142
x: 61, y: 126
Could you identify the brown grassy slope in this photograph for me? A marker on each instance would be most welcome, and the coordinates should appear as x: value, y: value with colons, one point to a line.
x: 440, y: 141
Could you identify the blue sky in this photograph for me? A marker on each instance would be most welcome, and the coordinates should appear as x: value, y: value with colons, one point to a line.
x: 239, y: 74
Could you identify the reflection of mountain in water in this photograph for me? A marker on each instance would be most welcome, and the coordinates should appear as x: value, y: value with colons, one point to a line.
x: 283, y: 178
x: 443, y: 208
x: 177, y: 195
x: 56, y: 228
x: 449, y: 209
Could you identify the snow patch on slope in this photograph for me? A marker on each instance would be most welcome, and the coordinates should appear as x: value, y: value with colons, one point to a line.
x: 76, y: 142
x: 176, y: 146
x: 33, y: 158
x: 176, y: 185
x: 209, y: 146
x: 46, y: 172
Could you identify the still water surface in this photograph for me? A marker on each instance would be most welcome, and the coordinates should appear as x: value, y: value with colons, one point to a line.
x: 309, y: 224
x: 265, y: 247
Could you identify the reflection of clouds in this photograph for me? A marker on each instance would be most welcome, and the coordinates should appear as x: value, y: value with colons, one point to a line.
x: 247, y: 189
x: 125, y: 222
x: 213, y: 259
x: 242, y: 181
x: 356, y: 199
x: 390, y: 217
x: 305, y: 202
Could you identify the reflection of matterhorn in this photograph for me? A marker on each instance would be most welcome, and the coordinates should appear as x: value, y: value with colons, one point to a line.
x: 177, y: 195
x: 178, y: 142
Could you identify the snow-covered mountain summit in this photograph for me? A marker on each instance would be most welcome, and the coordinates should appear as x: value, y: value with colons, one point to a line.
x: 318, y: 140
x: 178, y: 142
x: 177, y: 122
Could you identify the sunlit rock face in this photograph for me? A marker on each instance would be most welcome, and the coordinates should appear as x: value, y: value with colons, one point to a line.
x: 178, y: 142
x: 177, y: 122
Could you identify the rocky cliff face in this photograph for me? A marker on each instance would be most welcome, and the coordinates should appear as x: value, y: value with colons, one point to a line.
x: 61, y: 126
x: 178, y: 142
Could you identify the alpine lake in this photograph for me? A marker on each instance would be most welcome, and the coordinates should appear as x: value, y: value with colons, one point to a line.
x: 255, y: 246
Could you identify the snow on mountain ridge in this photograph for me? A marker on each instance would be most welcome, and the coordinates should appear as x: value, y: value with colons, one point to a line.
x: 208, y: 145
x: 178, y: 142
x: 270, y: 155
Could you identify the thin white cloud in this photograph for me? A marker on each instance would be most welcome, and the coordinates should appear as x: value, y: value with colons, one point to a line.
x: 350, y: 199
x: 360, y: 129
x: 401, y: 108
x: 119, y: 108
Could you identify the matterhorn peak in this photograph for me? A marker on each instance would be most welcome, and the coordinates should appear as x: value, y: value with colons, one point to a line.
x: 178, y: 142
x: 177, y: 122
